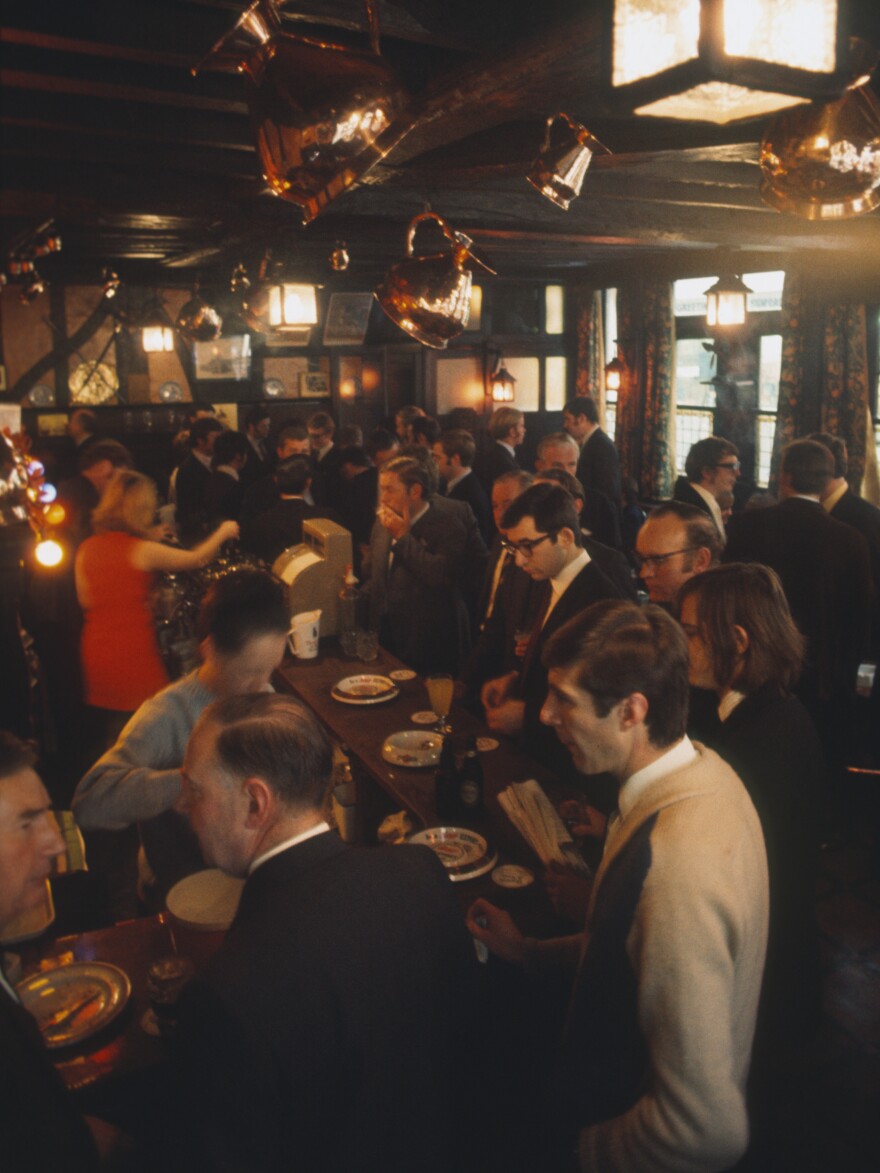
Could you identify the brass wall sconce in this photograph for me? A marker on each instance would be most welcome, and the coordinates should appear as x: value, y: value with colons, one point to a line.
x: 559, y: 170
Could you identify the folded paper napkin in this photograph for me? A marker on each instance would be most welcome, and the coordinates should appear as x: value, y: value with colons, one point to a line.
x: 537, y: 820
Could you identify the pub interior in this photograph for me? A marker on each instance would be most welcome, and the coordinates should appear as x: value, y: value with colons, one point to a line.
x: 385, y: 225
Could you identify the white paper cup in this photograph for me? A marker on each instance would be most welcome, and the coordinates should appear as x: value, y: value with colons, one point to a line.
x: 303, y: 636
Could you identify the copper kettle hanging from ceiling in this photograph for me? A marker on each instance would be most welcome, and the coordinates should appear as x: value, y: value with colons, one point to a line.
x: 323, y: 114
x: 429, y: 296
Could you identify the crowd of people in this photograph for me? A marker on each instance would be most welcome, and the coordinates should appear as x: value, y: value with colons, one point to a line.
x: 690, y: 673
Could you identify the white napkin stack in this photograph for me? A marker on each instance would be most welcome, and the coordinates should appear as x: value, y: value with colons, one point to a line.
x: 537, y: 820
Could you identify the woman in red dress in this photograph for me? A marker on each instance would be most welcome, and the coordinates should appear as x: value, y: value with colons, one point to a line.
x: 115, y: 570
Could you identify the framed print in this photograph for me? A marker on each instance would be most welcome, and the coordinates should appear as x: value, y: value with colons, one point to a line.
x: 347, y: 318
x: 314, y: 385
x: 227, y: 358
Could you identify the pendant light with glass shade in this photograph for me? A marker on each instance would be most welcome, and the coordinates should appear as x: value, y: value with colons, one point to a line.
x: 724, y: 60
x: 726, y: 302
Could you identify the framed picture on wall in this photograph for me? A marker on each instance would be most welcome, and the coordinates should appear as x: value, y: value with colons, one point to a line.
x: 227, y: 358
x: 347, y: 318
x: 314, y: 385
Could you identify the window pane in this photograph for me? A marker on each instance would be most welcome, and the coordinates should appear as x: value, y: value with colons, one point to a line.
x: 689, y: 295
x: 515, y: 309
x: 475, y: 313
x: 693, y: 371
x: 554, y: 309
x: 690, y: 426
x: 609, y: 325
x: 554, y: 383
x: 527, y: 372
x: 769, y: 370
x: 766, y: 290
x: 611, y: 413
x: 459, y: 384
x: 766, y: 432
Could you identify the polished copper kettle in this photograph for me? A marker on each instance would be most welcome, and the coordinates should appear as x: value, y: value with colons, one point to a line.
x: 323, y: 114
x: 430, y: 296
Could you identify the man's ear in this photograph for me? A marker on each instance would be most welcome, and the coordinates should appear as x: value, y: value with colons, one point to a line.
x: 261, y: 802
x: 702, y: 559
x: 741, y: 639
x: 565, y: 537
x: 633, y: 710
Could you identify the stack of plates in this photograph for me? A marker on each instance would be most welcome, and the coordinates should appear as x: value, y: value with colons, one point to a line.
x: 463, y: 853
x: 364, y: 690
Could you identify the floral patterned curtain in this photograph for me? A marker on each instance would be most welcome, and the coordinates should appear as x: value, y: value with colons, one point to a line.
x: 845, y: 392
x: 590, y: 363
x: 840, y: 404
x: 645, y: 417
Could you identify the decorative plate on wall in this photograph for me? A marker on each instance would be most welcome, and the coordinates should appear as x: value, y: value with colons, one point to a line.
x: 41, y: 396
x: 274, y: 389
x: 171, y: 392
x: 93, y: 383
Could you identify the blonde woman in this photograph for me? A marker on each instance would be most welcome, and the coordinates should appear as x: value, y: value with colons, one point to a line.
x: 114, y: 574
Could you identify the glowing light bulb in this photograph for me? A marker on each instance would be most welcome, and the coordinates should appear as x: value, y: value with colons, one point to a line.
x: 48, y: 493
x: 55, y: 514
x: 49, y: 553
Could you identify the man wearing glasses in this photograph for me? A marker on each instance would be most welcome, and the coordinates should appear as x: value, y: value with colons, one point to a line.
x: 711, y: 469
x: 544, y: 537
x: 676, y: 542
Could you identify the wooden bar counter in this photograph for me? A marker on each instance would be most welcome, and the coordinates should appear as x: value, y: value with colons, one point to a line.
x: 363, y: 729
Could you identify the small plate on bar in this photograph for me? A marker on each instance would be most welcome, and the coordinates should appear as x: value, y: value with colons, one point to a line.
x: 74, y: 1002
x: 365, y: 689
x: 463, y: 853
x: 412, y: 748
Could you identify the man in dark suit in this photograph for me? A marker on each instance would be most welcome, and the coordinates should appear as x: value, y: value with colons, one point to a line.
x: 280, y: 526
x: 844, y: 505
x: 454, y: 453
x: 256, y: 431
x: 507, y: 430
x: 826, y: 575
x: 358, y: 500
x: 599, y: 465
x: 192, y: 480
x: 39, y: 1123
x: 417, y: 568
x: 711, y: 470
x: 327, y: 483
x: 328, y: 1031
x: 292, y: 440
x: 598, y: 516
x: 544, y: 534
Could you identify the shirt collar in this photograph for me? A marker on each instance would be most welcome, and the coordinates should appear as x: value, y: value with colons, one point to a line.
x: 510, y: 448
x: 729, y: 702
x: 7, y: 985
x: 831, y: 500
x: 318, y: 829
x: 714, y: 507
x: 322, y: 452
x: 229, y: 470
x: 676, y: 758
x: 450, y: 484
x: 202, y: 458
x: 569, y: 572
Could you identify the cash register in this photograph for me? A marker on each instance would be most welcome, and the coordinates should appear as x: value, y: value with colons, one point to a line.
x: 314, y: 570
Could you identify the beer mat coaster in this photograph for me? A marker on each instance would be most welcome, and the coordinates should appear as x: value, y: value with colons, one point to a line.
x: 402, y: 674
x: 511, y: 875
x: 424, y: 717
x: 484, y: 744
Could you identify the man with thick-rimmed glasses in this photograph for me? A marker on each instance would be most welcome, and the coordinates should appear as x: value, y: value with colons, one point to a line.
x: 711, y: 469
x: 676, y: 542
x: 543, y: 535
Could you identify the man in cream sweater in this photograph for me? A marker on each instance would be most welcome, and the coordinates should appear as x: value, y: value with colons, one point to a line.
x: 666, y: 975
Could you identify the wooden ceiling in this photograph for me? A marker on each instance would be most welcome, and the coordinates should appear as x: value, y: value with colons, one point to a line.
x: 152, y: 171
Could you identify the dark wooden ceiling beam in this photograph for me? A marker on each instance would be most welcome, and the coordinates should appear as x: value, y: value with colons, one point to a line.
x: 53, y: 83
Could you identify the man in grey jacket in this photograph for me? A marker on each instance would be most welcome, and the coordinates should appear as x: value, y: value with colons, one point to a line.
x: 242, y: 626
